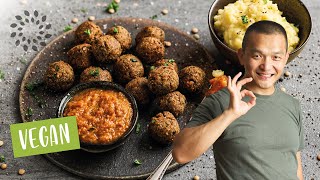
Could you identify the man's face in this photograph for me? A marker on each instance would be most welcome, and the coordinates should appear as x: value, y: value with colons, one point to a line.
x: 264, y: 59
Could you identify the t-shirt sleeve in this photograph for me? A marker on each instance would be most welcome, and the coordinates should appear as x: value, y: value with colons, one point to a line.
x: 207, y: 110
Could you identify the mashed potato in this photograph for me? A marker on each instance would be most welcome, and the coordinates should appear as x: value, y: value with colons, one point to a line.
x: 232, y: 21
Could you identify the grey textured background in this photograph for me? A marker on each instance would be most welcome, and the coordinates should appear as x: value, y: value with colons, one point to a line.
x: 184, y: 15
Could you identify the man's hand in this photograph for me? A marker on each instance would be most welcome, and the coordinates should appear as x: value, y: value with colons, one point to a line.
x: 237, y: 105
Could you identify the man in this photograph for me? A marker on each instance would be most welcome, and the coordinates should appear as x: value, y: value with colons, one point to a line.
x: 255, y: 129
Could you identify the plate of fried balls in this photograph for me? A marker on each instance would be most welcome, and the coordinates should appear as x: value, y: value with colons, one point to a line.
x: 163, y: 68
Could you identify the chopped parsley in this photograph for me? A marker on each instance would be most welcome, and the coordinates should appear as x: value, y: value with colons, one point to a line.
x: 138, y: 127
x: 166, y: 64
x: 23, y: 61
x: 244, y: 19
x: 115, y: 30
x: 153, y: 121
x: 171, y: 60
x: 1, y: 74
x: 67, y: 28
x: 113, y: 5
x: 137, y: 162
x: 94, y: 72
x: 154, y: 17
x: 87, y: 32
x: 84, y: 10
x: 56, y: 67
x: 133, y: 60
x: 265, y: 1
x: 2, y: 159
x: 152, y: 67
x: 29, y: 112
x: 32, y: 86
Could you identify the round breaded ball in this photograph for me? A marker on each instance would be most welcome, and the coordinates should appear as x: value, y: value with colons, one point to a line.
x: 192, y: 79
x: 150, y: 31
x: 95, y: 74
x: 175, y: 102
x: 163, y: 80
x: 128, y: 67
x: 150, y: 50
x: 167, y: 62
x: 163, y: 127
x: 138, y: 87
x: 59, y: 76
x: 80, y: 56
x: 87, y: 32
x: 106, y: 49
x: 122, y: 35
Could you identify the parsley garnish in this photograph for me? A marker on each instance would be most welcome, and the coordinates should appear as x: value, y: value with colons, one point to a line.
x: 94, y: 72
x: 171, y: 60
x: 32, y: 86
x: 133, y: 60
x: 137, y: 162
x: 154, y: 17
x: 87, y: 32
x: 165, y: 64
x: 56, y: 67
x: 23, y: 61
x: 265, y: 1
x: 138, y: 127
x: 244, y: 19
x: 29, y: 112
x: 1, y: 74
x: 2, y: 159
x: 153, y: 121
x: 84, y: 10
x: 67, y: 28
x: 115, y: 30
x: 152, y: 67
x: 113, y: 5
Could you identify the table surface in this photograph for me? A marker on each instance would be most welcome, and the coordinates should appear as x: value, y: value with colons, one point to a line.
x: 302, y: 84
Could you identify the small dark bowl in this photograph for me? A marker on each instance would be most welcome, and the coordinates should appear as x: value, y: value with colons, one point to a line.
x: 294, y: 11
x: 96, y: 148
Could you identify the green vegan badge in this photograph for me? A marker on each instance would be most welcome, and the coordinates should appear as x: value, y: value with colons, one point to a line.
x: 45, y: 136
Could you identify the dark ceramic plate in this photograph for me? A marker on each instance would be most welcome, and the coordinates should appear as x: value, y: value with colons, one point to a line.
x: 98, y: 148
x: 117, y: 163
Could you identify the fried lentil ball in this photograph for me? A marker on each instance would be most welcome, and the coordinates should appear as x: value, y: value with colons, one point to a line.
x: 80, y: 56
x: 163, y: 80
x: 128, y: 67
x: 150, y: 31
x: 163, y: 127
x: 122, y: 35
x: 106, y: 49
x: 175, y: 102
x: 59, y: 76
x: 150, y: 50
x: 138, y: 87
x: 95, y: 74
x: 87, y: 32
x: 192, y: 79
x: 167, y: 62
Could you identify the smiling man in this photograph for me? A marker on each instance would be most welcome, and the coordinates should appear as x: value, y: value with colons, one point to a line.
x: 255, y: 129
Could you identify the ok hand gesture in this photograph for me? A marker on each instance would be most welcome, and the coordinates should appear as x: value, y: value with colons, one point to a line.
x: 237, y: 105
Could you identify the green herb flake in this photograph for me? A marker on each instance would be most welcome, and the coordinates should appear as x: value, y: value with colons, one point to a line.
x: 1, y: 74
x: 94, y: 72
x: 154, y: 17
x: 137, y: 162
x: 153, y: 121
x: 138, y: 128
x: 265, y: 1
x: 31, y: 86
x: 115, y: 30
x: 152, y: 67
x: 133, y: 60
x: 244, y: 19
x: 23, y: 61
x: 67, y: 28
x: 87, y: 32
x: 171, y: 60
x: 2, y: 159
x: 166, y: 64
x: 29, y: 112
x: 84, y: 10
x: 113, y: 5
x: 56, y: 67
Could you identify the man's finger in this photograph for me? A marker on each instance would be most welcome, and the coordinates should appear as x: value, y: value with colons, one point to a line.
x: 243, y: 82
x: 235, y: 79
x: 250, y: 94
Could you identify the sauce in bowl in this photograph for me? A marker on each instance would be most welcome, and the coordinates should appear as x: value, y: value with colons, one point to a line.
x: 103, y: 115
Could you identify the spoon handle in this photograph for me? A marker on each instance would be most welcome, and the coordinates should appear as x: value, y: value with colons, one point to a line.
x: 158, y: 173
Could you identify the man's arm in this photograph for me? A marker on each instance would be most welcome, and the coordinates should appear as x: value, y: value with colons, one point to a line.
x: 299, y: 170
x: 192, y: 142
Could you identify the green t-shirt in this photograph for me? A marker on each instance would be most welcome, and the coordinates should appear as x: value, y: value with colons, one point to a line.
x: 262, y: 144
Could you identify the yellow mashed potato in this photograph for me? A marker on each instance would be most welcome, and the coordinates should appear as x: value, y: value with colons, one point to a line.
x: 232, y: 21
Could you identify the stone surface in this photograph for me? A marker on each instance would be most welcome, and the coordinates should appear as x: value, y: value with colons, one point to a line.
x: 184, y: 15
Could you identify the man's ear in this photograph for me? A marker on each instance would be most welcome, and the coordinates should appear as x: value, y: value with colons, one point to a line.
x: 240, y: 54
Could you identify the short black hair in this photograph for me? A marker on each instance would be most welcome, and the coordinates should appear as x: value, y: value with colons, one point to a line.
x: 264, y: 27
